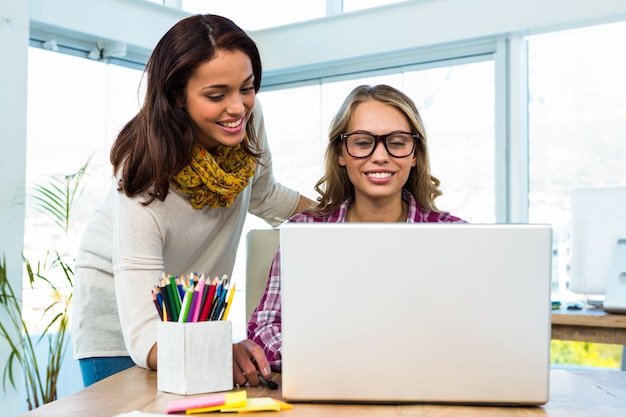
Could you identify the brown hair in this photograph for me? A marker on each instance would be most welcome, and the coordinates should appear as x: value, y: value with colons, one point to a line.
x: 158, y: 142
x: 335, y: 187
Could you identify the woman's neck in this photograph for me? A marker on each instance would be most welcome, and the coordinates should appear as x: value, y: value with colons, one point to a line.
x: 362, y: 213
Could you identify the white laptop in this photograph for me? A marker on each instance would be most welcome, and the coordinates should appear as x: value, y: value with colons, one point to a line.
x: 416, y: 313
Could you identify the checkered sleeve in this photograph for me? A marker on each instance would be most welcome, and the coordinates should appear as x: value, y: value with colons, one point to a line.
x: 264, y: 326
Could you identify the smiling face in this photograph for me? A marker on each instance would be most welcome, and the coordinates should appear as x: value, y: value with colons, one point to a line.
x: 379, y: 178
x: 220, y: 97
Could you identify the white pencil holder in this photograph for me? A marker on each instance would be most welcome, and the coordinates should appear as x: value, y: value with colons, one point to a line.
x: 195, y: 358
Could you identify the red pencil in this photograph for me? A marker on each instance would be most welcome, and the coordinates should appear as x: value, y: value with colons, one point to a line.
x: 206, y: 307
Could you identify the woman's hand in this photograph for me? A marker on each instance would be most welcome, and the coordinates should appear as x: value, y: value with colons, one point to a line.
x: 248, y: 358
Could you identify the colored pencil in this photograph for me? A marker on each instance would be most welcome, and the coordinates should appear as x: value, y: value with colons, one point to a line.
x: 198, y: 298
x: 231, y: 293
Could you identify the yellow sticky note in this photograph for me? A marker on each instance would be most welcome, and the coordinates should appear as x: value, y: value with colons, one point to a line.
x: 283, y: 405
x: 233, y: 399
x: 255, y: 404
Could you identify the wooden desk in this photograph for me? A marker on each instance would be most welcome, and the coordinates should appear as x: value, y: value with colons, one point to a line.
x: 589, y: 325
x: 572, y: 393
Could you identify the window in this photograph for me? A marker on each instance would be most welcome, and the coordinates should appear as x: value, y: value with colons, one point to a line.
x: 576, y: 123
x: 76, y: 107
x: 577, y: 103
x: 353, y: 5
x: 457, y: 105
x: 255, y: 14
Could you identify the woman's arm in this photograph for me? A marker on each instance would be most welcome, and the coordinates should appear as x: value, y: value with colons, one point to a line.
x: 137, y: 264
x: 303, y: 204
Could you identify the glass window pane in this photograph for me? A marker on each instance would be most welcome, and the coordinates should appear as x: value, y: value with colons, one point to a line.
x: 457, y: 106
x: 255, y: 14
x: 577, y: 110
x: 292, y: 120
x: 353, y: 5
x: 76, y: 107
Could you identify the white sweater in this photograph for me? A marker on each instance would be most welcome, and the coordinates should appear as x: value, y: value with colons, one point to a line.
x: 128, y: 246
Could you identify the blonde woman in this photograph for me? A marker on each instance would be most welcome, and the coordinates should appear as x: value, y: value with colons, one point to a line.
x: 377, y: 170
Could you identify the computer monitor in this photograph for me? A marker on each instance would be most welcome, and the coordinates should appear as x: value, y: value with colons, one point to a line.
x: 598, y: 222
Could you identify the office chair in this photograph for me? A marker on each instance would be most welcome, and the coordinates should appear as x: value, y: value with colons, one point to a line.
x: 261, y: 245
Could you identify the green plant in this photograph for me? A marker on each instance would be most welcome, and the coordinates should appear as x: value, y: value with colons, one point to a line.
x: 564, y: 352
x: 55, y: 199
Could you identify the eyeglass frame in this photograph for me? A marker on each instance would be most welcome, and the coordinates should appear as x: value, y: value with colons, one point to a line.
x: 379, y: 138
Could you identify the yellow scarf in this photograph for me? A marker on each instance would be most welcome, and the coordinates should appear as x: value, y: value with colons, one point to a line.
x: 215, y: 179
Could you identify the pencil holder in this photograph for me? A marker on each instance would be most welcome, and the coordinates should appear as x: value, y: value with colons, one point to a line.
x: 195, y: 358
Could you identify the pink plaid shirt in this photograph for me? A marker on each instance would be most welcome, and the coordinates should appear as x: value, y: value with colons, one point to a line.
x: 264, y: 326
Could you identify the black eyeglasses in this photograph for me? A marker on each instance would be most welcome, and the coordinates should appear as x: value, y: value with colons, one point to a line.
x: 362, y: 144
